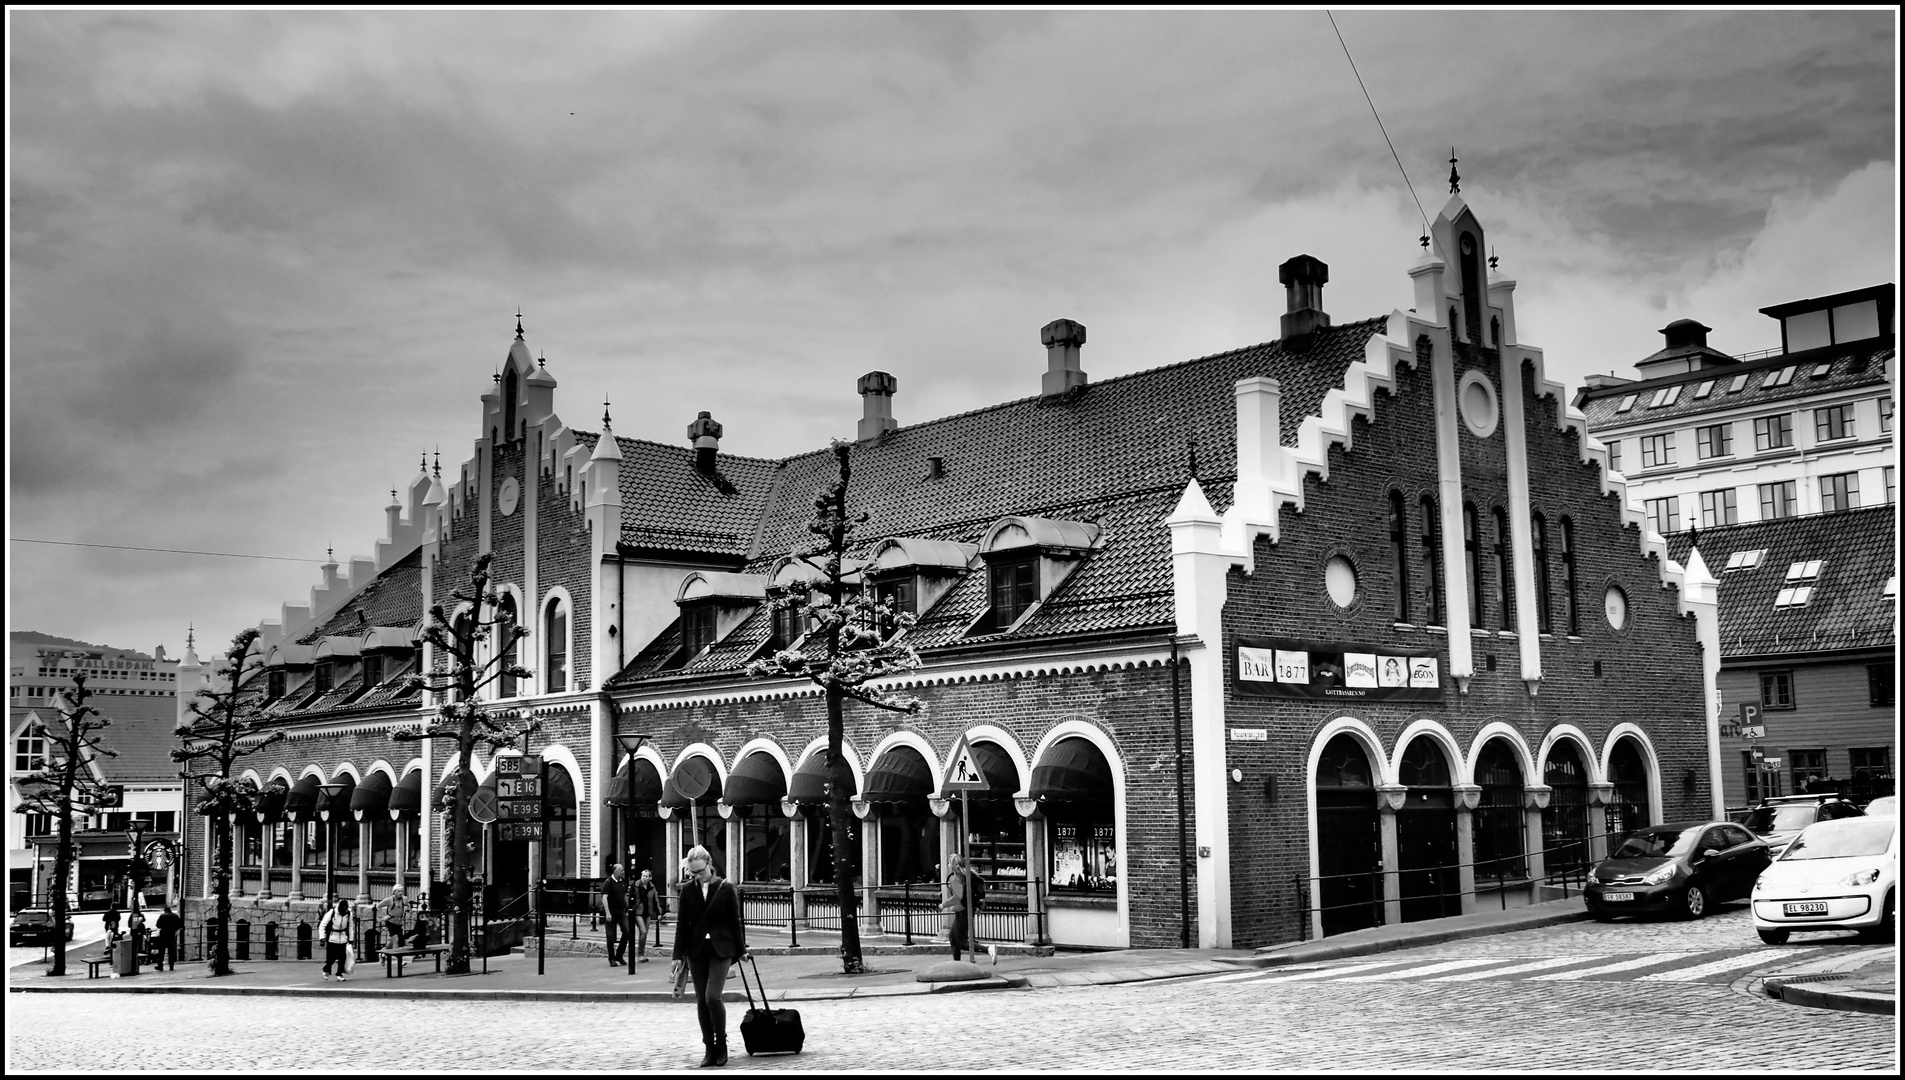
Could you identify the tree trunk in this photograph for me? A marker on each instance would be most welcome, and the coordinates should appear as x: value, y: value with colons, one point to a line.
x: 222, y: 888
x: 840, y: 815
x: 459, y: 959
x: 62, y: 867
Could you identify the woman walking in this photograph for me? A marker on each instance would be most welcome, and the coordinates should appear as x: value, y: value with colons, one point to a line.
x: 710, y: 940
x: 336, y: 930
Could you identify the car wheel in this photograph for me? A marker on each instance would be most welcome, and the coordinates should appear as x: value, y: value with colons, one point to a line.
x: 1887, y: 928
x: 1694, y: 904
x: 1774, y: 937
x: 1602, y: 916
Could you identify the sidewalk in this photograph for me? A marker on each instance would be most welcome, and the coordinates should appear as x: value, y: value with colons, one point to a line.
x: 1863, y: 983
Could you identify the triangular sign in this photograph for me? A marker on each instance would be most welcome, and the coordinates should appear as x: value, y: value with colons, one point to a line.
x: 964, y: 774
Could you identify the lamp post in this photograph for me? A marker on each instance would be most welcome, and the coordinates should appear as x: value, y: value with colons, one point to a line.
x: 135, y: 831
x: 331, y: 792
x: 629, y: 744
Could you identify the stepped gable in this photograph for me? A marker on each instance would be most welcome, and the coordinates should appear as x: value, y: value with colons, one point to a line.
x: 1855, y: 364
x: 669, y: 505
x: 1848, y: 608
x: 393, y: 598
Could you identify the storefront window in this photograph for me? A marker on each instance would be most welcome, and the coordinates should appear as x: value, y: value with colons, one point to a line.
x: 1084, y: 856
x: 383, y: 843
x: 313, y: 845
x: 1499, y: 821
x: 995, y: 838
x: 1073, y: 784
x: 283, y: 843
x: 909, y: 846
x: 349, y: 854
x: 412, y: 828
x: 765, y: 839
x: 253, y: 848
x: 559, y: 830
x: 820, y: 845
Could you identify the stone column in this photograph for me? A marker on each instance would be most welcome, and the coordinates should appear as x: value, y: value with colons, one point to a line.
x: 671, y: 856
x: 403, y: 854
x: 1036, y: 865
x: 870, y: 874
x: 1467, y: 798
x: 363, y: 860
x: 1389, y: 799
x: 796, y: 858
x: 266, y: 834
x: 297, y: 862
x: 947, y: 811
x: 1534, y: 799
x: 1599, y: 795
x: 732, y: 838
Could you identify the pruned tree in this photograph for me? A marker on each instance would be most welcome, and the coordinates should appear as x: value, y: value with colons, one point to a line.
x: 462, y: 672
x: 226, y: 725
x: 66, y: 784
x: 853, y: 639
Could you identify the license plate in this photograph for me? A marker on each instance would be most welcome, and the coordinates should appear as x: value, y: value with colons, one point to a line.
x: 1616, y: 896
x: 1810, y: 907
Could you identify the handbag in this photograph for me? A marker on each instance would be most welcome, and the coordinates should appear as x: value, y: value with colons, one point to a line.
x: 350, y: 958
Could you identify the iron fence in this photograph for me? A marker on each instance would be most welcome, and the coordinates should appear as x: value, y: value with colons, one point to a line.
x: 1444, y: 884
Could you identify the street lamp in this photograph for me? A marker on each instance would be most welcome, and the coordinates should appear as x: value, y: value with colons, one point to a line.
x: 629, y: 744
x: 331, y: 792
x: 135, y: 831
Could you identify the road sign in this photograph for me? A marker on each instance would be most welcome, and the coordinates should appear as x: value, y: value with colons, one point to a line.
x: 1758, y: 732
x: 1772, y: 762
x: 964, y: 775
x: 1751, y: 715
x: 483, y: 805
x: 520, y: 830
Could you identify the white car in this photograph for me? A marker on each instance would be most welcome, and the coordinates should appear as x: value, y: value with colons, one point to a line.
x: 1836, y: 875
x: 1883, y: 806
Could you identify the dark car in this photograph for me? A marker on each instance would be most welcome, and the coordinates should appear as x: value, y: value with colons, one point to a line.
x: 1778, y: 820
x: 1681, y: 869
x: 34, y: 926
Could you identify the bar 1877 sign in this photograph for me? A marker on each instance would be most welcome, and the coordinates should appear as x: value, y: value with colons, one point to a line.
x: 519, y: 798
x: 1289, y: 668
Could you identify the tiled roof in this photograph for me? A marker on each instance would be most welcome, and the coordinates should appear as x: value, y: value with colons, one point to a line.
x: 1853, y: 365
x: 1847, y: 609
x: 143, y: 746
x: 1116, y: 453
x: 393, y: 598
x: 669, y: 505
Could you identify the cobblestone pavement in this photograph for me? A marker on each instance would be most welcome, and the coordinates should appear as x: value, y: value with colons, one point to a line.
x: 1711, y: 1022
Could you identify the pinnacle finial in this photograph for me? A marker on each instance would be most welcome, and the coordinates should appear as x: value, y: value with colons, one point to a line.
x: 519, y: 322
x: 605, y: 411
x: 188, y: 636
x: 541, y: 360
x: 393, y: 494
x: 423, y: 463
x: 330, y: 554
x: 1493, y: 259
x: 496, y: 377
x: 1455, y: 178
x: 437, y: 470
x: 1425, y: 239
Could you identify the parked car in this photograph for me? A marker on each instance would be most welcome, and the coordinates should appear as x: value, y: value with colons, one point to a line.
x: 34, y: 926
x: 1681, y: 869
x: 1883, y: 806
x: 1777, y: 821
x: 1836, y: 875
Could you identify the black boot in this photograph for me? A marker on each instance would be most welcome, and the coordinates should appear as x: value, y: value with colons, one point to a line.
x: 721, y: 1049
x: 707, y: 1056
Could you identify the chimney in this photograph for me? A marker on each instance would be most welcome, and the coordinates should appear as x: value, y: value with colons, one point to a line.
x: 1683, y: 332
x: 706, y: 433
x: 1062, y: 338
x: 1303, y: 279
x: 876, y: 394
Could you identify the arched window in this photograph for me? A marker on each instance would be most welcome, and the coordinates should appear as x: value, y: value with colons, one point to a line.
x: 509, y: 405
x: 505, y: 632
x: 1564, y: 823
x: 1500, y: 824
x: 1472, y: 298
x: 558, y: 848
x: 1472, y: 544
x: 1544, y: 619
x: 1399, y: 549
x: 555, y: 637
x: 1432, y: 559
x: 1571, y: 613
x: 1504, y: 573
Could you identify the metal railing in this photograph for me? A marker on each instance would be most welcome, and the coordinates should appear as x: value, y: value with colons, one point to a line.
x: 1445, y: 883
x: 909, y: 910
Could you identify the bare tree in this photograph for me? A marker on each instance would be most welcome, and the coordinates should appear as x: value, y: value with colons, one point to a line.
x: 854, y: 639
x: 64, y: 785
x: 463, y: 672
x: 227, y: 724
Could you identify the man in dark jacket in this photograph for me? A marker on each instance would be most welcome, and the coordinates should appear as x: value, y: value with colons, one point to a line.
x: 615, y: 906
x: 710, y: 939
x: 644, y: 910
x: 169, y: 924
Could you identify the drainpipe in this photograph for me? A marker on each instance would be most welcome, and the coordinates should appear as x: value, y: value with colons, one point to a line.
x: 1183, y: 842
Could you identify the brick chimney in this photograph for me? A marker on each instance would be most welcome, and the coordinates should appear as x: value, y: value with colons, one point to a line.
x: 1062, y: 338
x: 1303, y: 279
x: 876, y: 396
x: 706, y: 433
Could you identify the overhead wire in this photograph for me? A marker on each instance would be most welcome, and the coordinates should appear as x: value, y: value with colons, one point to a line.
x: 167, y: 551
x: 1379, y: 123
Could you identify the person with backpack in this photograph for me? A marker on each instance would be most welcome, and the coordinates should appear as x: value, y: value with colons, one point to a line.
x: 337, y: 930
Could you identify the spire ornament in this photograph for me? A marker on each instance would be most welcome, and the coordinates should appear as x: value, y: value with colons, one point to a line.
x: 1455, y: 178
x: 1493, y: 259
x: 519, y: 322
x: 605, y: 411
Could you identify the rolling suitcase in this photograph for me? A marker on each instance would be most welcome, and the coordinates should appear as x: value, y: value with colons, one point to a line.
x: 765, y: 1030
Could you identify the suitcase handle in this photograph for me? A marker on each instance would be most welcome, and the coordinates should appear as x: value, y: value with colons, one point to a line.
x: 742, y: 967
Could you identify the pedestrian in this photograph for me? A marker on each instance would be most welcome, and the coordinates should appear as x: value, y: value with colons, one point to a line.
x: 710, y: 941
x: 336, y: 930
x: 615, y: 911
x: 644, y: 910
x: 136, y: 934
x: 958, y: 906
x: 169, y: 924
x: 110, y: 921
x: 395, y: 907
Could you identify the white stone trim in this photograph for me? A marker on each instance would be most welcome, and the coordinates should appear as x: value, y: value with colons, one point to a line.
x: 1586, y: 746
x: 913, y: 740
x: 1496, y: 729
x: 1081, y: 728
x: 1379, y: 761
x: 1433, y: 729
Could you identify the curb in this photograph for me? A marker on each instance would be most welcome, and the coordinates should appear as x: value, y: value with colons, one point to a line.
x: 990, y: 982
x: 1312, y: 951
x: 1858, y: 1001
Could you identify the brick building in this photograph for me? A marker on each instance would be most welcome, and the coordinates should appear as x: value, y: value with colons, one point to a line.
x: 1347, y: 627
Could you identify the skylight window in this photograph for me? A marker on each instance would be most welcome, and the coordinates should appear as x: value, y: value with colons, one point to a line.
x: 1793, y: 596
x: 1626, y: 403
x: 1738, y: 384
x: 1891, y: 585
x: 1804, y: 571
x: 1703, y: 390
x: 1822, y: 370
x: 1666, y: 395
x: 1779, y: 378
x: 1744, y: 560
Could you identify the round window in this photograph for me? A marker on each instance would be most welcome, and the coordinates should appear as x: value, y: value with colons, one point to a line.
x: 1616, y: 607
x: 1479, y: 407
x: 507, y: 496
x: 1339, y: 577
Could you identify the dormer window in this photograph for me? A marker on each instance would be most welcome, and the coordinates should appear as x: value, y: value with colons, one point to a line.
x: 1026, y: 558
x: 323, y: 677
x: 911, y: 574
x: 274, y: 683
x: 1779, y: 378
x: 789, y: 625
x: 712, y: 604
x: 1014, y: 584
x: 373, y: 669
x: 1627, y: 403
x: 697, y: 629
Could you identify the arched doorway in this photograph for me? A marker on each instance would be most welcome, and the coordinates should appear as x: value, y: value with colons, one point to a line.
x: 635, y: 792
x: 1348, y: 838
x: 1425, y: 835
x: 1630, y: 810
x: 559, y: 828
x: 1074, y: 786
x: 1499, y: 824
x: 1564, y: 824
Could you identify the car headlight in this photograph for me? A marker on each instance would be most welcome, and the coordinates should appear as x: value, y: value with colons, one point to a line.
x: 1662, y: 875
x: 1862, y: 877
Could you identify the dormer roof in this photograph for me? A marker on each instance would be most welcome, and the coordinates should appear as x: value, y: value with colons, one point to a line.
x: 917, y: 552
x: 1045, y: 533
x: 711, y: 584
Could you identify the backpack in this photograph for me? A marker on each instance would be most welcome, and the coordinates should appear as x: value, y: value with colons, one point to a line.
x: 978, y: 889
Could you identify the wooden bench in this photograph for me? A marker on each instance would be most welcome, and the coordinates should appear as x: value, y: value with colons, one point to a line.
x: 94, y: 963
x: 394, y: 958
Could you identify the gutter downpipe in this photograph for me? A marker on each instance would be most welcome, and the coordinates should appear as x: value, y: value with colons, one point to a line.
x: 1183, y: 844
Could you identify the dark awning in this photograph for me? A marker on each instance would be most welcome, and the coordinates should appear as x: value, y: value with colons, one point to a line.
x: 271, y: 799
x: 1002, y: 779
x: 645, y: 789
x: 694, y: 774
x: 810, y: 782
x: 371, y: 798
x: 300, y: 803
x: 406, y: 799
x: 1074, y: 771
x: 757, y: 780
x: 340, y: 803
x: 902, y: 776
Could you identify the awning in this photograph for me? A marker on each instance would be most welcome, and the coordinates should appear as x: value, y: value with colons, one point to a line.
x: 1002, y: 780
x: 756, y: 781
x: 694, y: 774
x: 340, y: 803
x: 271, y: 800
x: 1074, y: 771
x: 406, y: 799
x: 645, y: 788
x: 371, y: 798
x: 300, y: 803
x: 901, y: 776
x: 810, y: 780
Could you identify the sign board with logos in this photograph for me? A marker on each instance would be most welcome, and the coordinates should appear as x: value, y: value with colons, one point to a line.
x: 1319, y: 670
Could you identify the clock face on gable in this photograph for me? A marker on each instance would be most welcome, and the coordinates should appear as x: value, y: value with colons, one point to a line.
x: 507, y: 496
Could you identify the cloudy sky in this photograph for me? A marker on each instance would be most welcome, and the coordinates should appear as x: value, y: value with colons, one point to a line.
x: 260, y: 261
